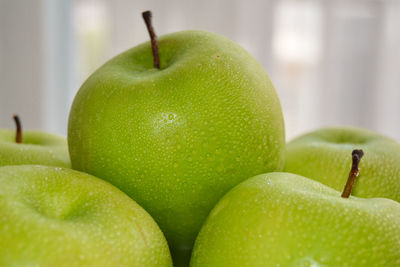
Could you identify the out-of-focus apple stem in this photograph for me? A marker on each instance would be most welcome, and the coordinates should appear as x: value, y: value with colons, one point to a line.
x: 18, y: 126
x: 357, y: 154
x: 153, y: 38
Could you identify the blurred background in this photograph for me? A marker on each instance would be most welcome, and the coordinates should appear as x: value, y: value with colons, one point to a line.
x: 333, y: 62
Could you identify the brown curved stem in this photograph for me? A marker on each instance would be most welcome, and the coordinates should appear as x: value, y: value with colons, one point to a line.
x: 18, y: 126
x: 153, y: 37
x: 357, y: 154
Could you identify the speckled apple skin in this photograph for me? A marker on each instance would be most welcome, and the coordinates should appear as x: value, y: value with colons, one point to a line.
x: 177, y: 139
x: 282, y: 219
x: 52, y: 216
x: 36, y: 148
x: 325, y: 156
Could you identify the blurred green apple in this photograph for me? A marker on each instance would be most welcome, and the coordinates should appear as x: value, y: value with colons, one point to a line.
x: 176, y: 139
x: 52, y: 216
x: 32, y: 147
x: 322, y: 155
x: 282, y: 219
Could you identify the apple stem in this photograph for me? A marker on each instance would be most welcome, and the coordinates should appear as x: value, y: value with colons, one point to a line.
x: 153, y: 37
x: 18, y: 125
x: 357, y: 154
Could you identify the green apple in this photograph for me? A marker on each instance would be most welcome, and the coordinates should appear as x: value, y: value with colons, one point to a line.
x: 176, y: 139
x: 282, y: 219
x: 322, y: 155
x: 52, y: 216
x: 32, y: 147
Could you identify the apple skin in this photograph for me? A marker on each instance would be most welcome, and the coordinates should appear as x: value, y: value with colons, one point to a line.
x: 323, y: 155
x: 177, y: 139
x: 52, y: 216
x: 282, y: 219
x: 36, y: 148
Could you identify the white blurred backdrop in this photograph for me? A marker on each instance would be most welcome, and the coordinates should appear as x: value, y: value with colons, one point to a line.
x: 333, y: 62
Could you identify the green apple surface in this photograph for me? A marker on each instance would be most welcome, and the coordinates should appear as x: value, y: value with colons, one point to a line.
x: 282, y: 219
x: 322, y: 155
x: 176, y: 139
x: 52, y: 216
x: 36, y: 148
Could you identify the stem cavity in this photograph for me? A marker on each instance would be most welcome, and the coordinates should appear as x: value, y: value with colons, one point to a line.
x: 153, y: 37
x: 18, y: 126
x: 357, y: 154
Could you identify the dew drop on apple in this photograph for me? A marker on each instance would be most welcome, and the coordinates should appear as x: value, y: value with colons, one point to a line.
x: 269, y: 182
